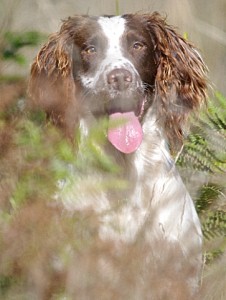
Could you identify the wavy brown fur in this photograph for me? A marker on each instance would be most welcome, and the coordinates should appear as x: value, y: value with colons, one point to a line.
x: 181, y: 83
x: 51, y: 85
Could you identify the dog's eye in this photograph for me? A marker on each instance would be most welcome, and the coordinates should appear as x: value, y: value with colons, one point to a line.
x: 138, y: 46
x: 90, y: 50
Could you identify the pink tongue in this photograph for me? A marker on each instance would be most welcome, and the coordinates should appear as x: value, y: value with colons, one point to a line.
x: 128, y: 136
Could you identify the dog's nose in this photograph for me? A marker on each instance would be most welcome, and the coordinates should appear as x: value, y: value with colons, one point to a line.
x: 119, y: 79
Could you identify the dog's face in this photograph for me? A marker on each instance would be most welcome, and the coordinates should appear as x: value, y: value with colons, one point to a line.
x: 119, y: 66
x: 113, y: 62
x: 116, y: 63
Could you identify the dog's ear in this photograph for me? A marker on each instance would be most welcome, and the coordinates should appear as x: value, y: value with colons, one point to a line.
x: 51, y: 85
x: 181, y: 76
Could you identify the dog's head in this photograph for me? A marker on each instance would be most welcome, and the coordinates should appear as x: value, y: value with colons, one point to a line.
x: 119, y: 67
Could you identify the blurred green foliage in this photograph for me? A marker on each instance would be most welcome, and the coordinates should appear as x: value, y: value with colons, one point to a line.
x: 205, y: 152
x: 12, y: 42
x: 205, y: 148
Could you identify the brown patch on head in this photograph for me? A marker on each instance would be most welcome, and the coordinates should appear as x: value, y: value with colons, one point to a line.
x: 142, y: 56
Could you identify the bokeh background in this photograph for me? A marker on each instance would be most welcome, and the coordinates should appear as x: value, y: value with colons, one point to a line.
x: 46, y: 254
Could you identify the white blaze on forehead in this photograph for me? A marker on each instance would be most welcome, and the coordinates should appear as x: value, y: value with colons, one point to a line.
x: 113, y: 28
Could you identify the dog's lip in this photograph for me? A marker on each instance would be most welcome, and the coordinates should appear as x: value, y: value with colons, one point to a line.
x: 108, y: 108
x: 142, y: 107
x: 138, y: 110
x: 120, y: 110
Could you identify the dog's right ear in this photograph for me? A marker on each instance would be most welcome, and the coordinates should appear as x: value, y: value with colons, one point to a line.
x: 51, y: 85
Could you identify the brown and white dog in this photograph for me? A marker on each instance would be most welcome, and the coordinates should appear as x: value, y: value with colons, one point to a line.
x: 134, y: 68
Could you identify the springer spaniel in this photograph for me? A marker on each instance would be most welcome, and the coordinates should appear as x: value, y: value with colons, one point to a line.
x: 142, y: 77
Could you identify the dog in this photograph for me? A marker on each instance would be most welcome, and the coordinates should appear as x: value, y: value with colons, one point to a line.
x: 139, y: 74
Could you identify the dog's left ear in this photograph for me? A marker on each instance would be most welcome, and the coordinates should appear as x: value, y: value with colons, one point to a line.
x: 181, y: 82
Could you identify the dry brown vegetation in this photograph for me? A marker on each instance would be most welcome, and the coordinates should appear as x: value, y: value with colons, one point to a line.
x: 49, y: 253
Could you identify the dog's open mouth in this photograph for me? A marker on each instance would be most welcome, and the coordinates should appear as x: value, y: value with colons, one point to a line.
x: 125, y: 130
